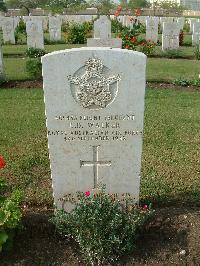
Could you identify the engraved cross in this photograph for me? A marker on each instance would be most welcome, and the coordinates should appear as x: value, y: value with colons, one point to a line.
x: 95, y: 163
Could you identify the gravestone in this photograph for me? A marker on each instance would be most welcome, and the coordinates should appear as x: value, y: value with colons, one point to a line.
x: 43, y: 19
x: 55, y: 28
x: 181, y: 22
x: 94, y: 102
x: 152, y: 29
x: 165, y: 20
x: 35, y: 36
x: 196, y: 33
x: 1, y: 21
x: 170, y: 36
x: 102, y: 35
x: 8, y: 30
x: 1, y: 64
x: 191, y: 23
x: 142, y: 20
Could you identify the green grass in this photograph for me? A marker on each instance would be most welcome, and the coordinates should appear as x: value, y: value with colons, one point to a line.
x: 161, y: 69
x: 158, y: 69
x: 170, y: 165
x: 21, y: 49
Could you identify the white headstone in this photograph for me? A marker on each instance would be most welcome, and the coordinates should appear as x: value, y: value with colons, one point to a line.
x: 1, y: 64
x: 55, y: 28
x: 94, y: 102
x: 102, y: 35
x: 181, y: 22
x: 16, y: 21
x: 170, y: 36
x: 191, y: 23
x: 196, y: 33
x: 8, y: 30
x: 142, y: 19
x: 35, y: 36
x: 165, y: 20
x: 152, y: 29
x: 44, y: 20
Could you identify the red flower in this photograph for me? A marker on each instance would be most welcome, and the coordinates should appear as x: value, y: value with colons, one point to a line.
x: 116, y: 13
x: 137, y: 12
x: 142, y: 44
x: 133, y: 39
x: 145, y: 207
x: 127, y: 47
x: 87, y: 193
x: 2, y: 162
x: 119, y: 8
x: 126, y: 37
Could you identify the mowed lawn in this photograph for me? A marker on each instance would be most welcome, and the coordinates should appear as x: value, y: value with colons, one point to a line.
x: 158, y: 69
x: 170, y: 165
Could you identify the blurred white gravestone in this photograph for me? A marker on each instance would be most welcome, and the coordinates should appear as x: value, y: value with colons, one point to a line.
x: 94, y: 109
x: 35, y: 36
x: 102, y: 35
x: 191, y: 23
x: 196, y: 33
x: 170, y: 36
x: 181, y: 22
x: 152, y: 29
x: 1, y: 64
x: 8, y: 30
x: 55, y: 28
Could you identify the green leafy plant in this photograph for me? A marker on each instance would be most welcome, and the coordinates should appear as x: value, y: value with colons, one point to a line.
x: 147, y: 47
x: 182, y: 82
x: 20, y: 32
x: 172, y: 53
x: 35, y: 52
x: 34, y: 68
x: 197, y: 51
x: 33, y: 64
x: 103, y: 227
x: 10, y: 213
x: 78, y: 33
x: 187, y: 82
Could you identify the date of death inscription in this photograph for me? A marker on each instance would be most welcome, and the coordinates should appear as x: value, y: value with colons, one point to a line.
x: 95, y: 128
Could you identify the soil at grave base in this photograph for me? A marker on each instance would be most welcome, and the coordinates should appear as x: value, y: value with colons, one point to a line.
x: 172, y: 238
x: 150, y: 85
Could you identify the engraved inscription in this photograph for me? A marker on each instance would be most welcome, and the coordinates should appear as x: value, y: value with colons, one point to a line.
x: 93, y: 89
x: 95, y: 164
x: 113, y: 127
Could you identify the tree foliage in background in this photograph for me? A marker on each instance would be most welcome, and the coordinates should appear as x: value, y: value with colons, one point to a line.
x: 2, y: 6
x: 169, y: 6
x: 27, y: 4
x: 57, y: 6
x: 103, y: 6
x: 132, y: 4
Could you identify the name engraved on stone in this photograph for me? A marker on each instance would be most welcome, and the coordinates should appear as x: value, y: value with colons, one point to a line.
x: 95, y: 163
x: 93, y: 89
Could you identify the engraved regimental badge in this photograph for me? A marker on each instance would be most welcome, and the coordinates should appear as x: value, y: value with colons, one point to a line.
x: 93, y: 86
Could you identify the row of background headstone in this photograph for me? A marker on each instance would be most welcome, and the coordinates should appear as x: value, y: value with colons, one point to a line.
x: 36, y: 24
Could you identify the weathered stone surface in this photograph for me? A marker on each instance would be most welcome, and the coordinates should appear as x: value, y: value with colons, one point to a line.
x: 1, y: 64
x: 8, y: 30
x: 196, y: 33
x: 35, y: 35
x: 170, y: 36
x: 102, y: 35
x: 152, y: 28
x: 55, y: 28
x: 94, y: 101
x: 191, y: 23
